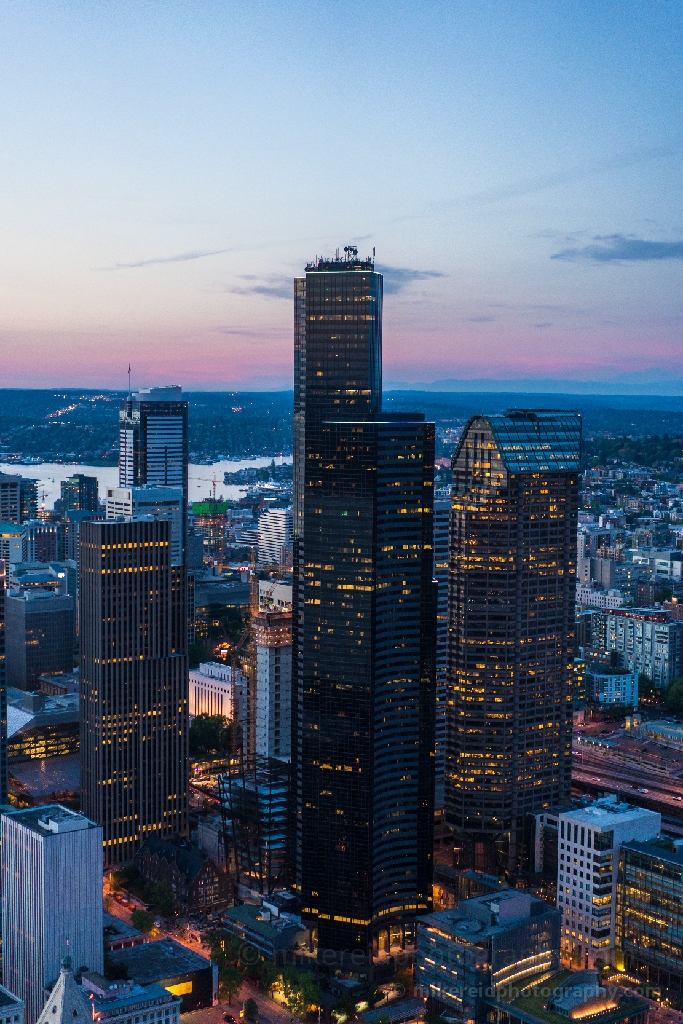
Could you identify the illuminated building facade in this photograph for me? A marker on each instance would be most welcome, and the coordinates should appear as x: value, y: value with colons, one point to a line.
x: 511, y: 608
x: 134, y: 684
x: 589, y: 840
x: 363, y: 625
x: 650, y: 913
x: 486, y: 944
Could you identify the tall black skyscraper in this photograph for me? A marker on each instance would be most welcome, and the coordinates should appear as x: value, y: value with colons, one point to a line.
x: 513, y: 576
x: 364, y: 621
x: 134, y: 684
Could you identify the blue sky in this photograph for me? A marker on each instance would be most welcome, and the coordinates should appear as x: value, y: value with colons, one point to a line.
x: 167, y: 168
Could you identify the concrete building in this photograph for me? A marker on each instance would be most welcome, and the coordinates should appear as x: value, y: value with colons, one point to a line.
x: 125, y: 1002
x: 152, y: 500
x: 648, y: 641
x: 11, y: 546
x: 67, y: 1003
x: 612, y: 686
x: 482, y: 946
x: 12, y: 1009
x: 52, y: 894
x: 589, y: 595
x: 218, y: 689
x: 272, y: 633
x: 275, y: 536
x: 274, y: 596
x: 589, y: 842
x: 39, y: 541
x: 268, y: 931
x: 179, y: 970
x: 40, y: 636
x: 18, y: 498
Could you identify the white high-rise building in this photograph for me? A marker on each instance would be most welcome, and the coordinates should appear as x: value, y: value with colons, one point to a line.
x: 588, y: 858
x: 52, y: 899
x: 151, y: 500
x: 273, y: 639
x: 275, y: 536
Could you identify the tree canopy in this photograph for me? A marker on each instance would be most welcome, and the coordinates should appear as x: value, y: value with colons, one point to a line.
x: 211, y: 735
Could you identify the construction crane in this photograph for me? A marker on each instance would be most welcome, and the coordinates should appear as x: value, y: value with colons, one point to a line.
x: 206, y: 479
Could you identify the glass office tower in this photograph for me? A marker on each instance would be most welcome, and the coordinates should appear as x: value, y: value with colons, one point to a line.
x: 512, y: 592
x: 364, y: 626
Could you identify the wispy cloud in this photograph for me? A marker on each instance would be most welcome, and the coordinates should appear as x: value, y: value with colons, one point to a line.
x: 618, y: 248
x: 396, y: 279
x: 480, y: 319
x: 182, y: 257
x: 272, y: 287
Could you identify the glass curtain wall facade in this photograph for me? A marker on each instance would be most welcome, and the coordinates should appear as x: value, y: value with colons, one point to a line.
x: 511, y: 647
x: 134, y: 684
x: 363, y: 625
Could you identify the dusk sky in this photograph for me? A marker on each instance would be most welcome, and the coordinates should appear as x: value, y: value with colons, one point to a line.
x: 167, y: 168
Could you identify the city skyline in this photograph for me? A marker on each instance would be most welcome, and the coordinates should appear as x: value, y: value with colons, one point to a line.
x: 518, y: 179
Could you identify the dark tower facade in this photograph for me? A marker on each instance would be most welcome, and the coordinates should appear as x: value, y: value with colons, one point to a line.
x: 511, y: 645
x: 153, y: 444
x: 364, y: 625
x: 134, y: 684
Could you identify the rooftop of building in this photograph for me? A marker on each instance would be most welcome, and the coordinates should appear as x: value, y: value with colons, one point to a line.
x: 480, y: 917
x: 188, y: 860
x: 51, y: 819
x: 111, y: 996
x: 662, y: 848
x: 606, y: 812
x: 533, y: 440
x: 116, y: 927
x: 13, y: 529
x: 155, y: 961
x: 8, y: 998
x: 261, y: 921
x: 349, y: 262
x: 532, y: 1005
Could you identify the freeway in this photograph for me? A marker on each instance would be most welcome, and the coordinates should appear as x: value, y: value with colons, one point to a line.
x: 645, y: 784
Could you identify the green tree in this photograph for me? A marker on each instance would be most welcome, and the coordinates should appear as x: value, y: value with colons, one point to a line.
x: 142, y: 920
x: 229, y: 981
x: 646, y: 689
x: 266, y: 974
x: 673, y: 698
x: 125, y: 877
x: 210, y: 735
x: 196, y: 655
x: 224, y: 947
x: 160, y: 896
x: 301, y: 991
x: 251, y: 1010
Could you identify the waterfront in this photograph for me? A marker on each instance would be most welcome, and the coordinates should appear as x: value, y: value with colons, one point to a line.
x: 200, y: 478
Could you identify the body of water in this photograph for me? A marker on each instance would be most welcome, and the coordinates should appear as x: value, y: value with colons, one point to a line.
x: 200, y: 478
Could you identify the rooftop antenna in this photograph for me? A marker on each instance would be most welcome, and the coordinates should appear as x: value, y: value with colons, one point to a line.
x: 129, y: 381
x: 373, y: 252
